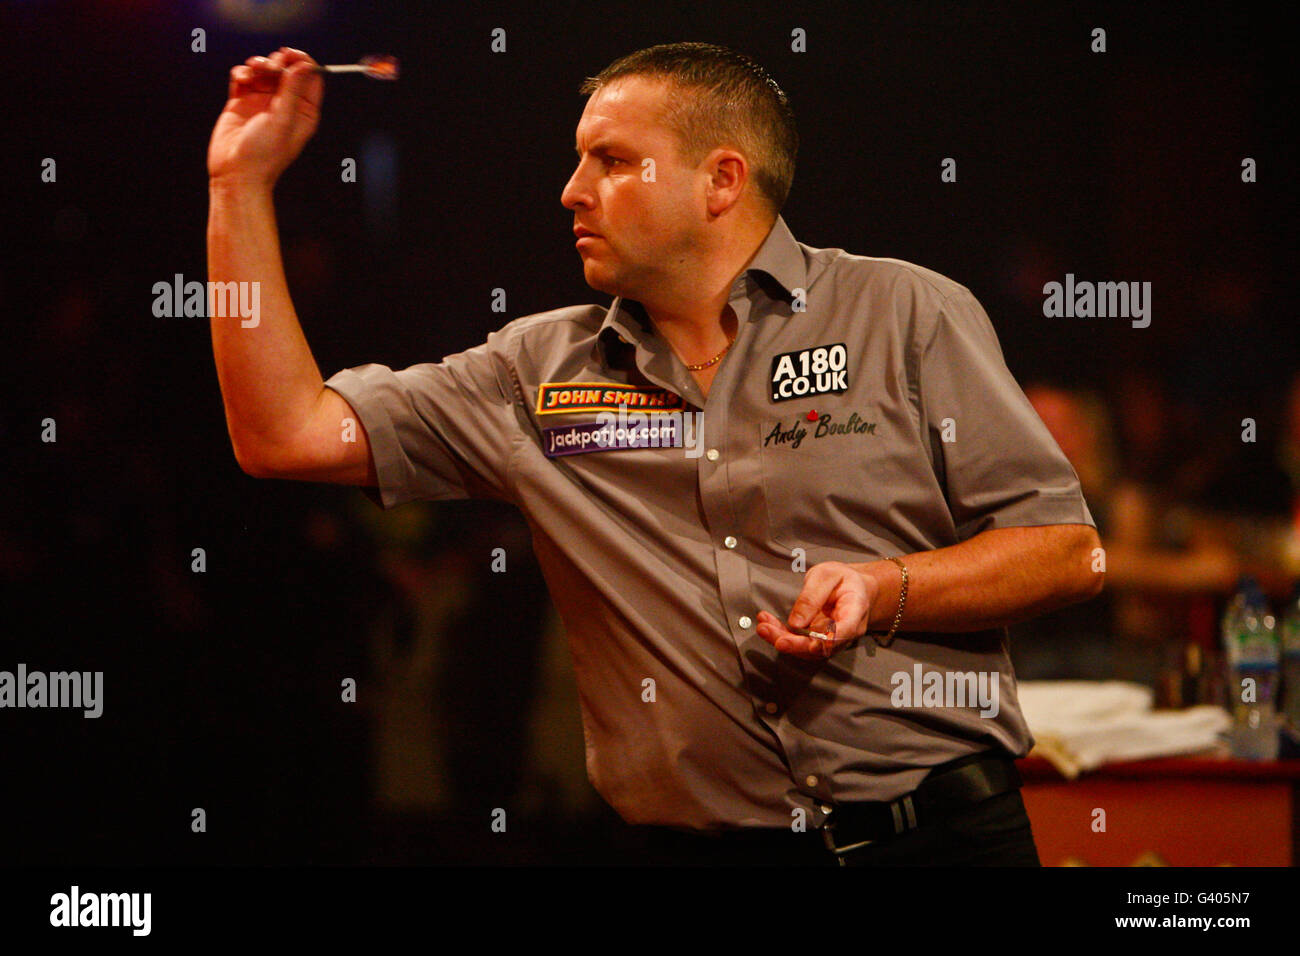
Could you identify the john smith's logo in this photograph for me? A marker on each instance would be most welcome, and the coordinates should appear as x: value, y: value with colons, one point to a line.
x: 554, y: 398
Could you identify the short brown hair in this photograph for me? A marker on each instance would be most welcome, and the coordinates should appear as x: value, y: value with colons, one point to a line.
x: 719, y: 98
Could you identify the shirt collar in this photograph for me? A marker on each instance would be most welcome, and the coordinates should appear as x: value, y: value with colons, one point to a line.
x: 779, y: 259
x: 778, y: 268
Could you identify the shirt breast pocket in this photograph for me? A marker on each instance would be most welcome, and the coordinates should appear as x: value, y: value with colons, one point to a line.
x: 817, y: 490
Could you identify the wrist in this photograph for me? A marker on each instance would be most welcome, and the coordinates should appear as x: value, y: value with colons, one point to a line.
x: 889, y: 599
x: 238, y: 187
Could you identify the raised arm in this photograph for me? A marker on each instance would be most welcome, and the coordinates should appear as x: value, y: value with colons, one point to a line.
x: 282, y: 421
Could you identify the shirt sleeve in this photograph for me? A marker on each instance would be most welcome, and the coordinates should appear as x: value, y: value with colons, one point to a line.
x: 996, y: 460
x: 437, y: 431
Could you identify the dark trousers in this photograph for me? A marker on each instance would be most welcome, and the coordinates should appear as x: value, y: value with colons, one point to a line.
x: 993, y: 832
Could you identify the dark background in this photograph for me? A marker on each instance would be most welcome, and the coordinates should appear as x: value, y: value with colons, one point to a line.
x: 222, y: 688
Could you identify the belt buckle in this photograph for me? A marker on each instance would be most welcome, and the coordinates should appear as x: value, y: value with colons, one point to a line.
x: 828, y: 837
x: 903, y: 811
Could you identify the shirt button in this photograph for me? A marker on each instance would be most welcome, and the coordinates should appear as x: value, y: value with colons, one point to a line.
x: 745, y: 621
x: 711, y: 454
x: 826, y: 809
x: 770, y: 707
x: 729, y: 541
x: 811, y: 779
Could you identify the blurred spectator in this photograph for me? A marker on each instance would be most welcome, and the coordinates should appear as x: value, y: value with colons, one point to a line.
x: 455, y: 653
x: 1288, y: 458
x: 1255, y: 485
x: 1166, y: 562
x: 1075, y: 642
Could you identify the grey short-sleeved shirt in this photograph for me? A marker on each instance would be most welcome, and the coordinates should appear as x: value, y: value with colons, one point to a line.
x: 864, y: 411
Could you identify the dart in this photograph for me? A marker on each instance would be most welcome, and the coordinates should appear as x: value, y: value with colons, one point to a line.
x: 827, y: 635
x: 375, y: 67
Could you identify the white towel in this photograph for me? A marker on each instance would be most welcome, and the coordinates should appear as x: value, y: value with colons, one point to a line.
x: 1080, y: 725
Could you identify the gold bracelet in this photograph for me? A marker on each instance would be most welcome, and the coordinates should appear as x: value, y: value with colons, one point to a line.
x: 898, y: 616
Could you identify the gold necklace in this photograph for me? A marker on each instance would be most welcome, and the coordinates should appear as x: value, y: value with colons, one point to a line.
x: 713, y: 361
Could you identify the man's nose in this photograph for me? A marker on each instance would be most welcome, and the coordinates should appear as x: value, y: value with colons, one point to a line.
x: 574, y: 193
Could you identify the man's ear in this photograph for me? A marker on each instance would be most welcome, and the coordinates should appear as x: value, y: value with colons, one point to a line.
x: 728, y: 176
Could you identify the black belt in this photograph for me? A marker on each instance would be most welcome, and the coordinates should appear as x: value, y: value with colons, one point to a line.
x: 960, y: 783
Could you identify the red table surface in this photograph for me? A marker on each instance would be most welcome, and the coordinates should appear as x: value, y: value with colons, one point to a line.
x: 1039, y: 768
x: 1187, y: 811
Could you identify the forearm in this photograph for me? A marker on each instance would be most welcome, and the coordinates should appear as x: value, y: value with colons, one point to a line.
x: 269, y: 380
x: 996, y: 578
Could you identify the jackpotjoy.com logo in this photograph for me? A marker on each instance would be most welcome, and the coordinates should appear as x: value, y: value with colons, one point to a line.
x: 208, y: 300
x: 684, y: 430
x: 624, y: 430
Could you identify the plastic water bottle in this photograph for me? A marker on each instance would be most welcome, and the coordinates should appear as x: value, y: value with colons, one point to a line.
x: 1228, y: 633
x: 1252, y: 650
x: 1290, y: 628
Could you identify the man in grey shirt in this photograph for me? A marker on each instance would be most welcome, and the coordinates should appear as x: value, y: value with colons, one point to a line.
x: 786, y: 499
